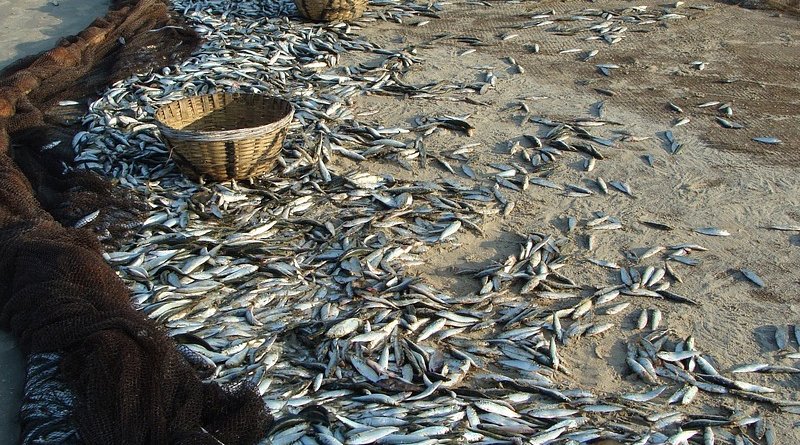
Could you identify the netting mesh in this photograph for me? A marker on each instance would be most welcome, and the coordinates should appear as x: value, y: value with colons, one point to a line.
x: 57, y: 294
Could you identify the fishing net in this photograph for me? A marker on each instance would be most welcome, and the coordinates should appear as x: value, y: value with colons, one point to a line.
x: 57, y: 295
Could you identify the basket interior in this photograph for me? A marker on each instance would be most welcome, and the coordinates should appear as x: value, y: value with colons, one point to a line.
x: 229, y: 112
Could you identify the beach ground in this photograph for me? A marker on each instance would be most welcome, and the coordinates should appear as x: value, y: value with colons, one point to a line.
x: 721, y: 177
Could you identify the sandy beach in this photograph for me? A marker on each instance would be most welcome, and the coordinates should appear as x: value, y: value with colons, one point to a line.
x: 720, y: 178
x: 29, y: 27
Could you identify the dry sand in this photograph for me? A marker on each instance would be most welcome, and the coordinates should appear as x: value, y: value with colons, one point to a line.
x: 721, y: 178
x: 29, y: 27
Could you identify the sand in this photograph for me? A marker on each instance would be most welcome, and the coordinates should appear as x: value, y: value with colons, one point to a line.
x: 32, y: 26
x: 721, y: 178
x: 29, y: 27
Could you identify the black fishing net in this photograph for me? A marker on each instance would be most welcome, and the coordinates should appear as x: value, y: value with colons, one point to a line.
x: 122, y: 376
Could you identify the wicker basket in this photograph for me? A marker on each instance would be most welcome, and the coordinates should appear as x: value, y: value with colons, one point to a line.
x: 331, y: 10
x: 225, y: 136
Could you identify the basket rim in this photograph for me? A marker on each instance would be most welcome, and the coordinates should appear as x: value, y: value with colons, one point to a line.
x: 224, y: 135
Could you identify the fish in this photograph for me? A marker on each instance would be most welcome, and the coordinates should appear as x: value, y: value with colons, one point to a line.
x: 86, y: 219
x: 785, y: 228
x: 767, y: 140
x: 681, y: 121
x: 371, y: 435
x: 495, y: 408
x: 674, y: 107
x: 645, y: 397
x: 314, y: 282
x: 450, y: 230
x: 781, y: 337
x: 642, y: 320
x: 752, y: 276
x: 622, y: 186
x: 726, y: 123
x: 712, y: 231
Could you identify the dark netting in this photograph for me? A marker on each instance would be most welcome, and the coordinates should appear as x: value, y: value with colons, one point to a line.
x: 58, y: 296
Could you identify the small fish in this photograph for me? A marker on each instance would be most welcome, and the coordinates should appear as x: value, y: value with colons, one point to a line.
x: 370, y: 436
x: 656, y: 225
x: 642, y: 320
x: 551, y: 413
x: 645, y: 397
x: 781, y: 337
x: 797, y: 333
x: 728, y: 123
x: 598, y: 328
x: 606, y: 92
x: 617, y: 308
x: 712, y: 231
x: 650, y: 252
x: 496, y: 408
x: 450, y: 230
x: 622, y: 186
x: 571, y: 223
x: 601, y: 184
x: 752, y: 367
x: 546, y: 437
x: 343, y: 328
x: 675, y: 356
x: 767, y: 140
x: 708, y: 436
x: 542, y: 182
x: 604, y: 263
x: 744, y: 386
x: 683, y: 436
x: 432, y: 328
x: 752, y: 276
x: 655, y: 319
x: 468, y: 171
x: 87, y: 219
x: 784, y: 228
x: 428, y: 391
x: 681, y: 121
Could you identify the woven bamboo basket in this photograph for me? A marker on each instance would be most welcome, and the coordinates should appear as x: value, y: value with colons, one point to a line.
x: 331, y: 10
x: 225, y: 136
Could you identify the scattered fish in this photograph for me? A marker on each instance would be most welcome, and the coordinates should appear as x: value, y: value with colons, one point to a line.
x: 311, y: 282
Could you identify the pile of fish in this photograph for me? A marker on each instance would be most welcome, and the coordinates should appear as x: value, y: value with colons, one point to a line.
x: 311, y: 282
x: 47, y: 404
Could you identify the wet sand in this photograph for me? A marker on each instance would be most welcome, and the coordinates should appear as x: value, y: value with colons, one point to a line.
x: 29, y: 27
x: 722, y: 178
x: 32, y: 26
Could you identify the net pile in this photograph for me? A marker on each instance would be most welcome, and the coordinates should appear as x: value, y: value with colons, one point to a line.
x: 57, y: 295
